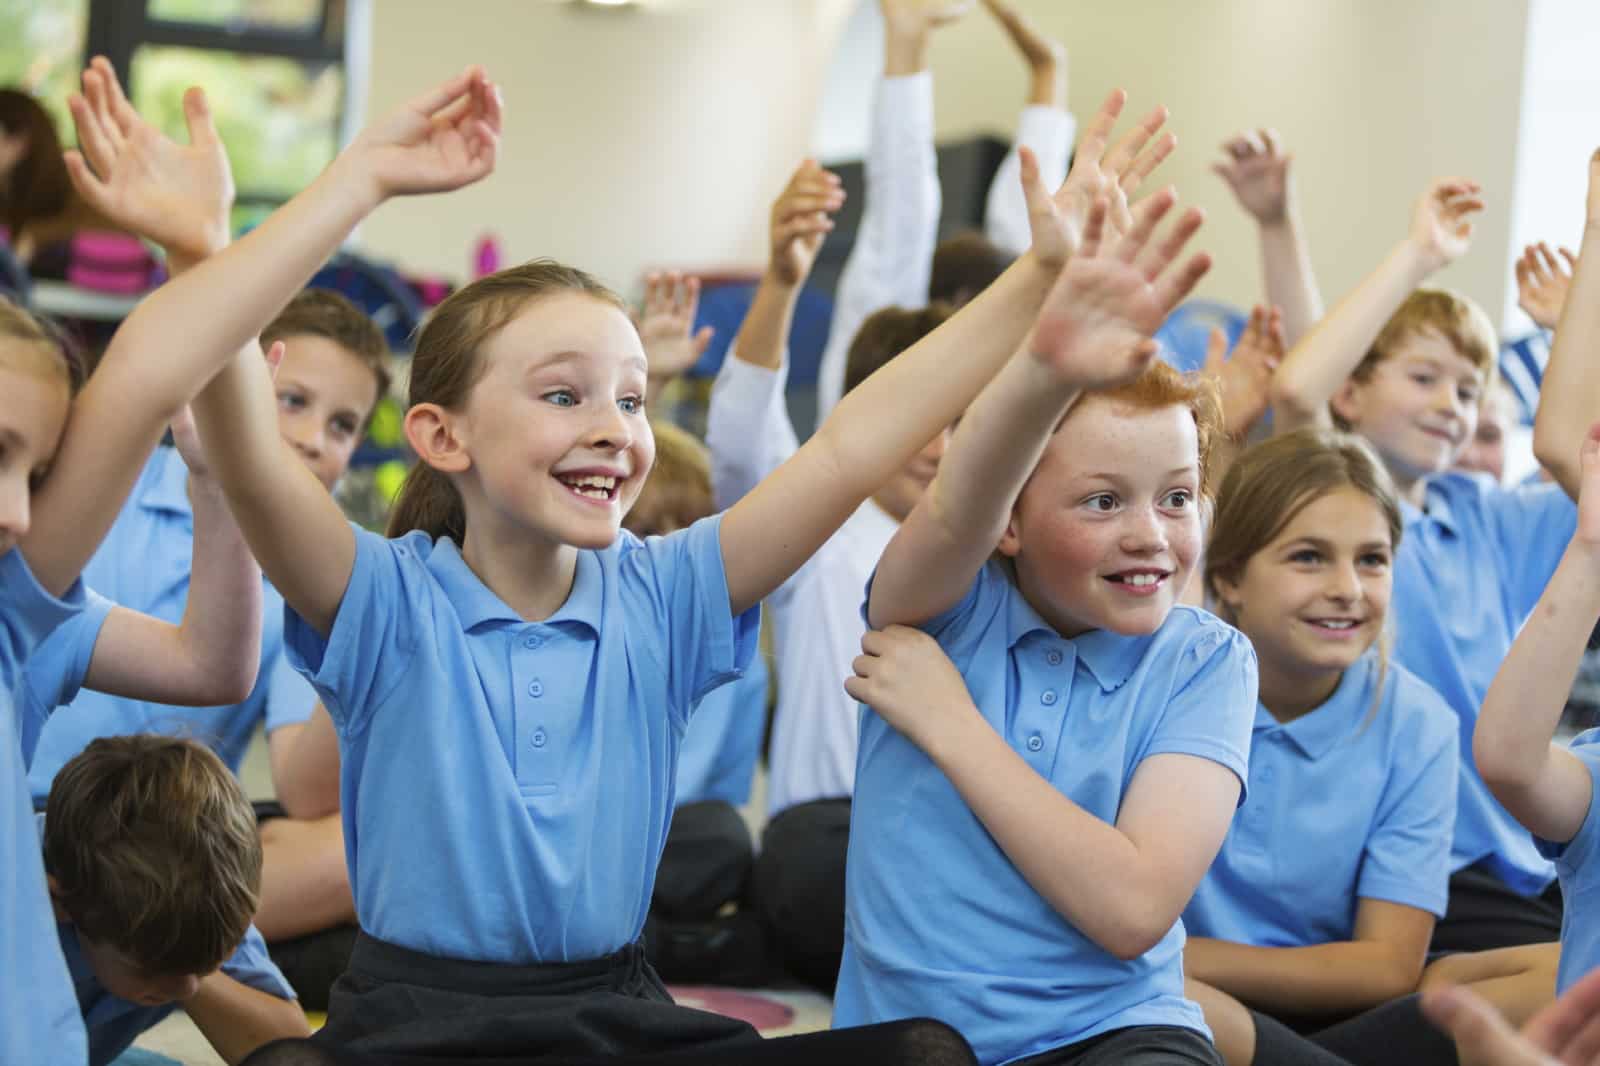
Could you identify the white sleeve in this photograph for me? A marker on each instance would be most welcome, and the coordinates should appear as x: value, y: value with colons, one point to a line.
x: 1049, y: 132
x: 748, y: 431
x: 892, y: 256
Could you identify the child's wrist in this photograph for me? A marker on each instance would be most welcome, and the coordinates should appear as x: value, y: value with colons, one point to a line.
x: 1419, y: 261
x: 352, y: 176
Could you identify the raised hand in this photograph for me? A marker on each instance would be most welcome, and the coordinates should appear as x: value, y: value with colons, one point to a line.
x: 446, y: 138
x: 1095, y: 327
x: 1046, y: 56
x: 666, y: 325
x: 801, y: 221
x: 908, y: 680
x: 912, y: 17
x: 1441, y: 226
x: 177, y: 195
x: 1244, y: 381
x: 1098, y: 173
x: 1257, y: 170
x: 1542, y: 283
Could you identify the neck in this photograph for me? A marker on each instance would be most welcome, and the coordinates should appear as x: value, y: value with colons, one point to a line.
x: 533, y: 576
x: 1289, y: 694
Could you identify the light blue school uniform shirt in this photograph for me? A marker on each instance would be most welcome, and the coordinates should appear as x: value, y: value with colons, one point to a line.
x: 114, y: 1023
x: 521, y: 773
x: 938, y: 922
x: 144, y: 564
x: 1578, y: 867
x: 1353, y: 800
x: 39, y: 1019
x: 1469, y: 570
x: 717, y: 759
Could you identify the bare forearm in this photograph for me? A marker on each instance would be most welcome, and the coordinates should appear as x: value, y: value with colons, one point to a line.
x: 307, y: 776
x: 904, y: 51
x: 1319, y: 364
x: 1342, y: 977
x: 1290, y: 281
x: 221, y: 627
x: 956, y: 525
x: 237, y: 1019
x: 1512, y: 741
x: 764, y: 335
x: 1571, y: 390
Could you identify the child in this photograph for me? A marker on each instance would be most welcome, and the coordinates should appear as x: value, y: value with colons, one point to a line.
x: 706, y: 859
x: 1034, y: 810
x: 816, y: 614
x: 892, y: 262
x: 1548, y: 787
x: 155, y: 871
x: 1407, y: 370
x: 1322, y: 900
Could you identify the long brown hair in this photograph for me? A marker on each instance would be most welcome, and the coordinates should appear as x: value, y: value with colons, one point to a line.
x: 39, y: 186
x: 448, y: 362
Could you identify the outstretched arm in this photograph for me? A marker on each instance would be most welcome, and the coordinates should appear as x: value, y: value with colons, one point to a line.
x: 881, y: 424
x: 1542, y: 784
x: 1094, y: 332
x: 1318, y: 366
x: 1257, y: 170
x: 1570, y: 394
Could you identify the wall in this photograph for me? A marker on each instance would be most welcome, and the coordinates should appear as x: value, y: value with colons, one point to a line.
x: 660, y: 135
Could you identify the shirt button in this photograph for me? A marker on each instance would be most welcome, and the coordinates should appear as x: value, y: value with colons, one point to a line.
x: 1054, y: 658
x: 535, y: 688
x: 533, y: 640
x: 539, y: 738
x: 1035, y: 743
x: 1048, y: 698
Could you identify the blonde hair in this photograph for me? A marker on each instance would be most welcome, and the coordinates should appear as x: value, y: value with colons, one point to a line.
x: 34, y: 345
x: 448, y: 362
x: 1454, y: 317
x: 678, y: 491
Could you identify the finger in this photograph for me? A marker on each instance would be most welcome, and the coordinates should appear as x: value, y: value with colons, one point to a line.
x: 691, y: 296
x: 1148, y: 160
x: 1270, y: 142
x: 94, y: 91
x: 1216, y: 351
x: 1277, y: 339
x: 1094, y: 228
x: 702, y: 340
x: 1524, y: 273
x: 1175, y: 287
x: 1253, y: 139
x: 1156, y: 260
x: 1572, y: 259
x: 807, y: 205
x: 83, y: 179
x: 1098, y: 133
x: 857, y: 689
x: 197, y: 116
x: 1548, y: 258
x: 1237, y: 147
x: 92, y: 139
x: 802, y: 228
x: 446, y: 93
x: 1145, y: 217
x: 1131, y: 143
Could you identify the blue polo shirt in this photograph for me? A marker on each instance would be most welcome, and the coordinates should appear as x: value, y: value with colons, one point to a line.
x: 1353, y: 800
x: 39, y: 1019
x: 520, y: 773
x: 144, y: 564
x: 114, y: 1023
x: 1469, y: 570
x: 1579, y: 871
x: 938, y: 922
x: 717, y: 760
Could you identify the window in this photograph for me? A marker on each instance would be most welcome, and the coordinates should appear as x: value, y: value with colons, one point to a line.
x: 41, y: 50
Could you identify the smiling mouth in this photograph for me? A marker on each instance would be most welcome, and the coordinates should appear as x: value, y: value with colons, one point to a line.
x: 1333, y: 626
x: 1139, y: 582
x: 597, y: 488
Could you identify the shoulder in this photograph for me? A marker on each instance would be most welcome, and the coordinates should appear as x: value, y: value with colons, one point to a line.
x: 1193, y: 635
x: 1415, y: 711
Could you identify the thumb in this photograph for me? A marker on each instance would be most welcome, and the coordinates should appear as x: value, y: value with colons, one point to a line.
x: 1033, y: 190
x: 1477, y: 1027
x: 703, y: 338
x: 197, y: 114
x: 1216, y: 350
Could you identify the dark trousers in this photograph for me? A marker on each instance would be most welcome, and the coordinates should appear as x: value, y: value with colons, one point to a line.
x: 798, y: 888
x: 1484, y: 914
x: 1392, y: 1034
x: 1139, y: 1045
x: 696, y: 932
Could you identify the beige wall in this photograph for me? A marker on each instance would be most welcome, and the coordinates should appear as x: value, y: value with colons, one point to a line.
x: 636, y: 138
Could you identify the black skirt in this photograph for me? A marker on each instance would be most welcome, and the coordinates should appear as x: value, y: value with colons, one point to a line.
x: 395, y: 1004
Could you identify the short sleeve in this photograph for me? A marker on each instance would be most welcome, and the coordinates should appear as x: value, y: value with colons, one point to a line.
x: 290, y: 697
x: 1407, y: 856
x: 55, y: 672
x: 1532, y: 525
x: 1211, y: 714
x: 677, y: 586
x: 28, y: 614
x: 368, y: 651
x: 960, y: 628
x: 251, y: 965
x: 1579, y: 852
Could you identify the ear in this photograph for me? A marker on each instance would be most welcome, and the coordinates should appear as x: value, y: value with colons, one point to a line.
x: 435, y: 435
x: 1347, y: 402
x: 1226, y: 590
x: 1011, y: 539
x: 55, y: 898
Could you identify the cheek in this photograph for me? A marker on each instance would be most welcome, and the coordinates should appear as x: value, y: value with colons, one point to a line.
x: 1068, y: 545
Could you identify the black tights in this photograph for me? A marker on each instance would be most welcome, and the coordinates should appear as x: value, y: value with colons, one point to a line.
x: 918, y: 1042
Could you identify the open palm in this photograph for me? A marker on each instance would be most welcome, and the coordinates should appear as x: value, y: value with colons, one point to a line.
x: 177, y: 195
x: 1441, y: 222
x: 442, y: 140
x: 666, y: 325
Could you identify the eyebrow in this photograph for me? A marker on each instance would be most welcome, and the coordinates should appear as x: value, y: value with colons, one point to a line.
x: 637, y: 362
x: 1174, y: 472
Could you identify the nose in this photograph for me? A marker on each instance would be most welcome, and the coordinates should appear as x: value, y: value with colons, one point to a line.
x: 1344, y: 585
x: 609, y: 430
x: 15, y: 514
x: 305, y: 436
x: 1143, y: 532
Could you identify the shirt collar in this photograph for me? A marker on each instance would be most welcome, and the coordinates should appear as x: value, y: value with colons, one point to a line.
x: 1316, y: 732
x: 476, y: 604
x: 168, y: 490
x: 1436, y: 495
x: 1111, y: 658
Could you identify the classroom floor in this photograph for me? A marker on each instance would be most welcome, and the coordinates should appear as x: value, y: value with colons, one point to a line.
x: 775, y: 1012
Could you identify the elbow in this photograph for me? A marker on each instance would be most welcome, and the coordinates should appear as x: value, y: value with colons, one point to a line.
x: 228, y: 684
x: 1498, y: 765
x: 1288, y: 398
x: 1134, y: 931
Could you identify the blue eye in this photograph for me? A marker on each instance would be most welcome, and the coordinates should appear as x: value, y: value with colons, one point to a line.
x: 1375, y: 560
x: 1306, y: 555
x: 291, y: 401
x: 562, y: 398
x: 631, y: 404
